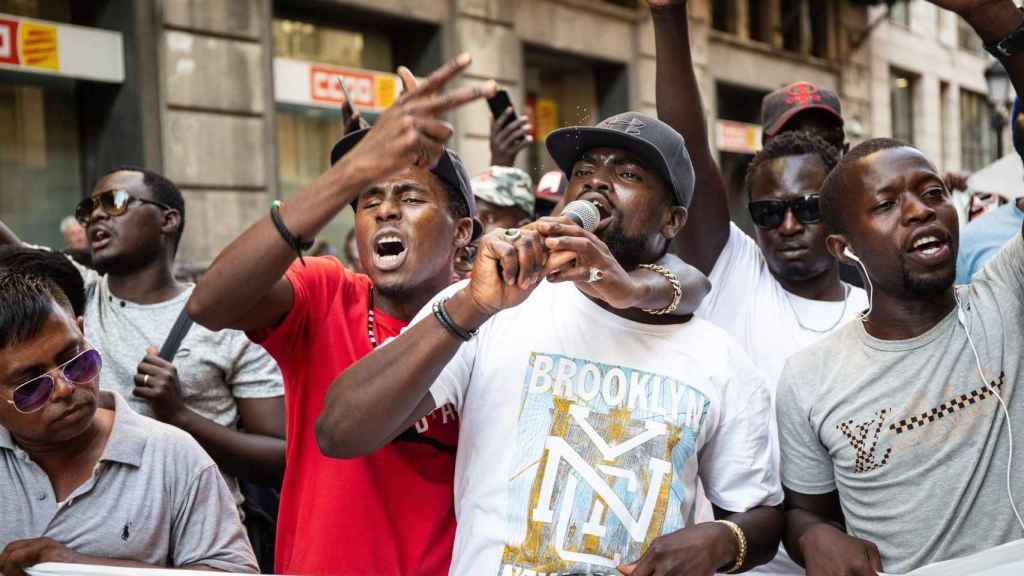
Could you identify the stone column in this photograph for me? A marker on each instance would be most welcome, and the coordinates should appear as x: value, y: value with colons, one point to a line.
x: 484, y: 29
x: 217, y: 117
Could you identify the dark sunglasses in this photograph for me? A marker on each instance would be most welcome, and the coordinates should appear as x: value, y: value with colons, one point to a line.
x: 770, y: 214
x: 113, y: 202
x: 34, y: 394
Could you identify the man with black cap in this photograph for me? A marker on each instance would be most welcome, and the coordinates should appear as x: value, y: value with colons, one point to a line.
x: 583, y: 427
x: 392, y: 511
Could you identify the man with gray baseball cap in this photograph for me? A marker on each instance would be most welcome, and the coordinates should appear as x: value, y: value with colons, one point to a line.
x: 584, y: 426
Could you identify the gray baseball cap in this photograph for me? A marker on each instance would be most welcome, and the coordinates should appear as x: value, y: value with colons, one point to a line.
x: 449, y: 169
x: 654, y: 142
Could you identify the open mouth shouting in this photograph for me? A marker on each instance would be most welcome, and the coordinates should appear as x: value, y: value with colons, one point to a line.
x: 599, y: 201
x: 388, y: 250
x: 99, y: 238
x: 930, y: 248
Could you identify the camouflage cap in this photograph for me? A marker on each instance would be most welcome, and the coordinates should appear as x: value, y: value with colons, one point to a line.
x: 505, y: 186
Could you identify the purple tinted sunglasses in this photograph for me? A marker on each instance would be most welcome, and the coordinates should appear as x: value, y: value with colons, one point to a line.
x: 34, y: 394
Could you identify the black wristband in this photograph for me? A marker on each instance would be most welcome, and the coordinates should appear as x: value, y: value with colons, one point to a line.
x: 446, y: 321
x: 292, y: 240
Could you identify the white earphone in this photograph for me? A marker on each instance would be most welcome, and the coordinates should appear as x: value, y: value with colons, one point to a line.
x: 962, y: 317
x: 848, y: 252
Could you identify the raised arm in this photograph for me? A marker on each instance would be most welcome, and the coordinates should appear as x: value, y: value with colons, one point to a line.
x: 703, y: 238
x: 246, y: 288
x: 377, y: 398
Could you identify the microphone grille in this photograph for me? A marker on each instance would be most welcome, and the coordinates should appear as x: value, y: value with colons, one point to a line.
x: 583, y: 213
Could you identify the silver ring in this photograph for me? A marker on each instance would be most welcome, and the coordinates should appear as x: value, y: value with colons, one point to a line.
x: 513, y: 234
x: 596, y: 275
x: 145, y: 380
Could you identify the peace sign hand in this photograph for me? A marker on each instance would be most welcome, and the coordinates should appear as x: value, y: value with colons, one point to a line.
x: 411, y: 131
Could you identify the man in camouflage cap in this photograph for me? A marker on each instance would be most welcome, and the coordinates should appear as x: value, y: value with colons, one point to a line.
x: 504, y: 197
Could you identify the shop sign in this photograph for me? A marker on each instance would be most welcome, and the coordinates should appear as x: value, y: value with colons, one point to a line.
x: 42, y: 47
x: 545, y: 117
x: 313, y: 84
x: 738, y: 137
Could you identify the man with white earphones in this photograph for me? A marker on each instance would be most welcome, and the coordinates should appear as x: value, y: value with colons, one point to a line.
x: 897, y: 432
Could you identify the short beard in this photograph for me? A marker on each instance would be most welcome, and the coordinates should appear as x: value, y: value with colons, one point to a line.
x: 925, y: 287
x: 628, y: 251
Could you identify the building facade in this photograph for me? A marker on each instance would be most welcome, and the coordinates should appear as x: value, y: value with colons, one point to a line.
x: 928, y: 85
x: 237, y: 100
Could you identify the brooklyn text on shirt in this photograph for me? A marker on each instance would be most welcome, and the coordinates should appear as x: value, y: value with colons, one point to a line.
x: 617, y: 387
x: 603, y: 463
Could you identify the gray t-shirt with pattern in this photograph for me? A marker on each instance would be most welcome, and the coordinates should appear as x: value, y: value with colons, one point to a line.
x: 908, y: 433
x: 214, y: 368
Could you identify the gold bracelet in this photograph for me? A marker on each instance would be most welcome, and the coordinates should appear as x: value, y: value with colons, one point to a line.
x: 677, y: 289
x: 741, y: 543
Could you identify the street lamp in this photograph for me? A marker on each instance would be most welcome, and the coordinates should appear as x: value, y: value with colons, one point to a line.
x: 998, y: 95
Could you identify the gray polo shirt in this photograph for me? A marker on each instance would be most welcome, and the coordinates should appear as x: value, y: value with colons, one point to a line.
x: 155, y: 497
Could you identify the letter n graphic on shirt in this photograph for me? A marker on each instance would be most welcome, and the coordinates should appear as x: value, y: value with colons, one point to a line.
x: 603, y: 481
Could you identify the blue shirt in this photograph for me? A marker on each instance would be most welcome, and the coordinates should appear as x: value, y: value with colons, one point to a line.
x: 983, y: 238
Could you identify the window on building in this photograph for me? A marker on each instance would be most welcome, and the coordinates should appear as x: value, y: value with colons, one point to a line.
x: 759, y: 25
x: 967, y: 39
x: 566, y: 90
x: 723, y: 17
x: 791, y: 22
x: 306, y: 134
x: 40, y: 169
x: 900, y: 13
x: 977, y: 140
x: 306, y: 41
x: 821, y: 16
x: 902, y: 104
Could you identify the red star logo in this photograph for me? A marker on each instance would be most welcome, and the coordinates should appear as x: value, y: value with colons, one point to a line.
x: 803, y: 93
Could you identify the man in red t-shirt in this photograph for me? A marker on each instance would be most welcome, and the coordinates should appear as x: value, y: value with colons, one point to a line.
x: 390, y: 512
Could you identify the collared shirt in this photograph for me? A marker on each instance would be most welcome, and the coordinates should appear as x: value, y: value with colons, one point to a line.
x: 154, y: 496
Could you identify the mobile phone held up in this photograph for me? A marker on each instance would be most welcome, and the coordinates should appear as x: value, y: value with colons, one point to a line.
x: 499, y: 103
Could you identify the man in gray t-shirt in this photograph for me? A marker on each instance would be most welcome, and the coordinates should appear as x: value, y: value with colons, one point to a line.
x: 886, y: 427
x: 223, y: 390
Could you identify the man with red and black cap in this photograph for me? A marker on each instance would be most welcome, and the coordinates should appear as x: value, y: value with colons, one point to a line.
x: 803, y: 107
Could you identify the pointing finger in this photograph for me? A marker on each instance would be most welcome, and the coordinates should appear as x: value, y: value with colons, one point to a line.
x: 441, y: 76
x: 439, y: 104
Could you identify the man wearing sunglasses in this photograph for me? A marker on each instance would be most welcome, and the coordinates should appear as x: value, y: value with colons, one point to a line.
x: 780, y: 291
x: 221, y: 388
x: 83, y: 478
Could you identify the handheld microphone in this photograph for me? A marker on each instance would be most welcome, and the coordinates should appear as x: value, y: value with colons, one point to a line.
x: 583, y: 213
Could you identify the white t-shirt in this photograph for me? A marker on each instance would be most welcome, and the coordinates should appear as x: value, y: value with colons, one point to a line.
x: 583, y: 434
x: 752, y: 306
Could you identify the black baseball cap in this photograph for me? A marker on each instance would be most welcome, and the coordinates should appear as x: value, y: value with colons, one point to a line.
x: 654, y: 142
x: 449, y: 169
x: 780, y: 106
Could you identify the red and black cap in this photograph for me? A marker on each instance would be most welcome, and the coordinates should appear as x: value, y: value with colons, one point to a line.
x: 780, y: 106
x: 449, y: 169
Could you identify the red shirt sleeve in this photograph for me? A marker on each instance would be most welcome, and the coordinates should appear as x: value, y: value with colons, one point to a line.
x: 315, y: 287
